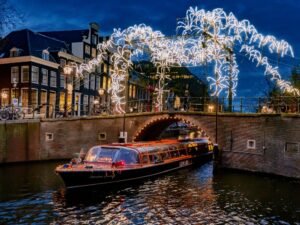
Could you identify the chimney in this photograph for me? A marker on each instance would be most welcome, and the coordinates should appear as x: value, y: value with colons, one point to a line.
x: 94, y: 26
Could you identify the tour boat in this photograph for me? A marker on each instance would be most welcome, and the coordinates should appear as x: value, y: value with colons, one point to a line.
x: 116, y: 163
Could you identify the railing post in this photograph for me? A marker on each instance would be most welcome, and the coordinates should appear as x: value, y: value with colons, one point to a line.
x: 241, y: 105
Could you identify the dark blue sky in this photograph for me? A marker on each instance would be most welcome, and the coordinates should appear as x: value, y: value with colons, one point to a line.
x: 277, y: 17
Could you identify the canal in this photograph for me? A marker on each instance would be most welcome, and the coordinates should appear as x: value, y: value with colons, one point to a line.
x: 32, y: 194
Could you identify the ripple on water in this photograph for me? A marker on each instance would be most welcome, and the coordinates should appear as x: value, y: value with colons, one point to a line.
x: 192, y: 196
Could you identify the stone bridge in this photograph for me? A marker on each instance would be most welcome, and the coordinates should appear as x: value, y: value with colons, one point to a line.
x: 257, y: 142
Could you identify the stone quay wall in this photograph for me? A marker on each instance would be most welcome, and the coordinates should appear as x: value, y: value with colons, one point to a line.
x: 253, y: 142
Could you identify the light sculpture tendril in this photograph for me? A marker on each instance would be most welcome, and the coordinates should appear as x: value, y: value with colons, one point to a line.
x: 205, y: 37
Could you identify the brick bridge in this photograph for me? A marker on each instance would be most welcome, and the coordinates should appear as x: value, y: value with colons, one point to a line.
x: 257, y: 142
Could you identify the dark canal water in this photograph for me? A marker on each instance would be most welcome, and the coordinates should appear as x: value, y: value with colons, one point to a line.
x: 33, y: 194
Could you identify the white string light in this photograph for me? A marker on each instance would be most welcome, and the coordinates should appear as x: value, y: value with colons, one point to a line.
x: 205, y: 37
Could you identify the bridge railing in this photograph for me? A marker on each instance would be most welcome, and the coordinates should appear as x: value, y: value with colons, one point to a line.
x: 181, y: 104
x: 209, y: 104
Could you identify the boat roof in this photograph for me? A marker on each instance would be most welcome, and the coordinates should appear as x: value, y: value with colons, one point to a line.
x: 149, y: 146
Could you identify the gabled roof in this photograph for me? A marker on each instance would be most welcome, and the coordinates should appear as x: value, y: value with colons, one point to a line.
x: 68, y: 36
x: 30, y: 44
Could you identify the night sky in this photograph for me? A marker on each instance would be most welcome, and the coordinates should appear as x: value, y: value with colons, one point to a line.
x: 280, y: 18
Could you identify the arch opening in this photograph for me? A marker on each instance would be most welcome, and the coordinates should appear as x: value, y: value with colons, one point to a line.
x: 169, y: 128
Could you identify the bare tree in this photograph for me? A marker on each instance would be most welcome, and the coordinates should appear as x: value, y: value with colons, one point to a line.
x: 9, y: 17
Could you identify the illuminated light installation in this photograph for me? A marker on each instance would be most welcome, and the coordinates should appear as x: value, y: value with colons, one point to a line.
x: 205, y: 37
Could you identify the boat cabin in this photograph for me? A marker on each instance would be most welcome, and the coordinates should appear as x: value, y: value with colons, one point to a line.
x: 140, y: 154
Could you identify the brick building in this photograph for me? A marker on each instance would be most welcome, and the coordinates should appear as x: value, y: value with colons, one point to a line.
x: 31, y: 71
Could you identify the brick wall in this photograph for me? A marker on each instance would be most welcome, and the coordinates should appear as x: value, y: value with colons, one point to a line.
x: 27, y: 140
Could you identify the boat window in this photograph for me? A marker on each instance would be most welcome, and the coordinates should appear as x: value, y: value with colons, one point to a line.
x: 98, y: 154
x: 165, y: 155
x: 174, y: 153
x: 182, y: 151
x: 128, y: 156
x: 155, y: 158
x: 144, y: 159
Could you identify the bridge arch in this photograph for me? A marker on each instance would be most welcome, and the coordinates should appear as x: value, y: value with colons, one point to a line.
x: 152, y: 128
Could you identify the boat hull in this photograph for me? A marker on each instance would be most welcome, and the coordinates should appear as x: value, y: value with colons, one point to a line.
x: 90, y: 177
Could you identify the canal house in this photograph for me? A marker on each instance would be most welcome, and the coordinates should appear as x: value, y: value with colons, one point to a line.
x: 32, y: 75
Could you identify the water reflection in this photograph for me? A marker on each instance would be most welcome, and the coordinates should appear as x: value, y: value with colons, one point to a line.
x: 34, y: 194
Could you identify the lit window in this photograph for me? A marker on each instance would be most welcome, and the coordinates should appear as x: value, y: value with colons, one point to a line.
x: 44, y: 77
x: 34, y: 97
x: 53, y: 76
x: 4, y: 97
x: 43, y: 100
x: 134, y: 91
x: 52, y: 102
x: 45, y: 55
x: 24, y: 97
x: 104, y: 82
x: 105, y: 68
x: 62, y: 100
x: 15, y: 74
x: 25, y: 74
x: 34, y: 74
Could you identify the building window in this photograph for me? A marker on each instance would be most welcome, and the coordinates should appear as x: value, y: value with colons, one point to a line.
x: 109, y: 83
x: 34, y: 97
x: 251, y: 144
x: 43, y: 100
x: 85, y: 100
x: 25, y: 74
x: 98, y: 69
x: 85, y: 103
x: 77, y: 84
x: 15, y: 74
x: 97, y: 82
x: 62, y: 81
x: 104, y: 82
x: 92, y: 98
x: 4, y: 97
x: 63, y: 63
x: 45, y: 55
x: 24, y: 97
x: 52, y: 103
x: 92, y: 82
x: 86, y: 82
x: 62, y: 101
x: 44, y: 77
x: 94, y: 39
x: 53, y: 76
x: 94, y: 52
x: 14, y: 52
x: 34, y: 75
x: 134, y: 91
x: 105, y: 68
x: 291, y: 148
x: 87, y: 49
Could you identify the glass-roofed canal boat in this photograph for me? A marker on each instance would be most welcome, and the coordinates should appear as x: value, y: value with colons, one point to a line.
x: 115, y: 163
